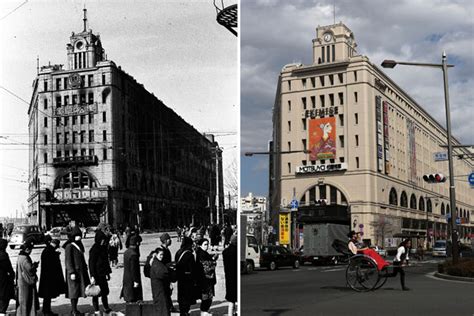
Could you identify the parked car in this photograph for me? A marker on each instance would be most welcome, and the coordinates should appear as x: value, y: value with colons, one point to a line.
x: 273, y: 257
x: 22, y: 232
x: 439, y: 248
x: 380, y: 251
x: 57, y: 232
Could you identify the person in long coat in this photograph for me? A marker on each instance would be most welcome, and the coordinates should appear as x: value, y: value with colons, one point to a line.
x: 51, y: 283
x: 77, y: 277
x: 206, y: 273
x: 27, y: 302
x: 132, y: 284
x: 160, y: 283
x: 229, y: 255
x: 99, y: 269
x: 7, y: 278
x: 185, y: 271
x: 215, y: 235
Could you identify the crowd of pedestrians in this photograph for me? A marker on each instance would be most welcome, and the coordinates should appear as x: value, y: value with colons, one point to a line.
x: 192, y: 269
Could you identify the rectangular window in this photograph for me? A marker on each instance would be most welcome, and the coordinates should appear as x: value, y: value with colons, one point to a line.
x: 289, y: 85
x: 45, y: 139
x: 356, y: 97
x: 91, y: 118
x: 83, y: 119
x: 289, y: 146
x: 91, y: 97
x: 66, y: 153
x: 321, y: 100
x: 321, y: 80
x: 45, y: 122
x: 322, y: 54
x: 91, y: 136
x: 289, y: 167
x: 74, y: 99
x: 66, y: 120
x: 304, y: 162
x: 313, y: 82
x: 90, y: 79
x: 58, y: 153
x: 45, y: 86
x: 303, y: 102
x: 355, y: 75
x: 65, y: 83
x: 341, y: 98
x: 83, y: 152
x: 356, y: 118
x: 74, y: 137
x: 289, y: 106
x: 83, y: 133
x: 91, y: 152
x: 58, y: 101
x: 303, y: 121
x: 331, y: 80
x: 303, y: 81
x: 45, y: 103
x: 341, y: 140
x: 58, y: 83
x: 104, y: 117
x: 74, y: 153
x: 58, y: 121
x: 82, y: 98
x: 83, y: 80
x: 341, y: 159
x: 328, y: 53
x: 104, y: 135
x: 313, y: 102
x: 357, y: 162
x: 333, y: 52
x: 66, y: 137
x: 303, y: 141
x: 66, y: 100
x: 104, y: 98
x: 341, y: 78
x: 45, y: 158
x: 58, y: 138
x: 322, y: 192
x: 104, y: 154
x: 289, y: 126
x: 103, y: 79
x: 331, y: 99
x: 341, y: 119
x: 74, y: 120
x: 357, y: 140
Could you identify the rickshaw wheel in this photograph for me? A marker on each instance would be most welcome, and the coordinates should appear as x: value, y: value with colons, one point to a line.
x: 362, y: 274
x: 383, y: 276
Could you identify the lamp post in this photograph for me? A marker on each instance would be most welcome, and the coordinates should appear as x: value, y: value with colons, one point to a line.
x: 452, y: 194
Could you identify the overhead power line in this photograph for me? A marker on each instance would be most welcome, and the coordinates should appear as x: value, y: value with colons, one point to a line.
x: 14, y: 10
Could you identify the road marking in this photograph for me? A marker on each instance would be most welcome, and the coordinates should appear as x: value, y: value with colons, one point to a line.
x: 431, y: 275
x: 332, y: 270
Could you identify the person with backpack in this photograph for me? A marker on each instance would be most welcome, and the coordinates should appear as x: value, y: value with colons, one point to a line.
x: 115, y: 244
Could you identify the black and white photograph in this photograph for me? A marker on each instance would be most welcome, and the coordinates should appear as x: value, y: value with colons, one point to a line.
x: 119, y: 142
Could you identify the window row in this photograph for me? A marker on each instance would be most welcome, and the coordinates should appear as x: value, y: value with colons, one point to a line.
x: 62, y: 83
x: 76, y: 153
x: 75, y: 119
x: 310, y: 82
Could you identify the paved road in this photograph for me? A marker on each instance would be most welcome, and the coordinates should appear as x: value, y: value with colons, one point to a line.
x: 322, y: 291
x: 61, y: 305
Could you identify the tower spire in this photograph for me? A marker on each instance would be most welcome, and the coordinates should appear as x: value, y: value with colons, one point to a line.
x: 85, y: 18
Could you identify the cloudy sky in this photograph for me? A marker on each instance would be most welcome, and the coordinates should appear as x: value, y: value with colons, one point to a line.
x: 175, y: 48
x: 275, y: 33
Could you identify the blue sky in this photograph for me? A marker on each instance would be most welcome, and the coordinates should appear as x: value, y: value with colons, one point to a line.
x: 401, y: 30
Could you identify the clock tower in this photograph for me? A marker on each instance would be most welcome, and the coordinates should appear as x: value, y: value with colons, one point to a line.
x: 333, y: 43
x: 84, y: 49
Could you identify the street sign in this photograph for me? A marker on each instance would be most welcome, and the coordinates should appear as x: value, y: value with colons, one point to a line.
x: 440, y: 156
x: 458, y: 221
x: 471, y: 179
x: 294, y: 205
x: 285, y: 225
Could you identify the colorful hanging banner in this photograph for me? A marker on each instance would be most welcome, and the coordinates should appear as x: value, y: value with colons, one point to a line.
x: 322, y: 138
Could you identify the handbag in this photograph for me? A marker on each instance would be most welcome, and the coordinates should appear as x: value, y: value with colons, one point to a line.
x: 92, y: 290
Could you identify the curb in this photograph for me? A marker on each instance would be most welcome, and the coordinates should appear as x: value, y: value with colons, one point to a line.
x: 452, y: 277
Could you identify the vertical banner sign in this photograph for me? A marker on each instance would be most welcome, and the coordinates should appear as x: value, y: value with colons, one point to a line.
x: 322, y: 138
x: 386, y: 143
x: 411, y: 151
x: 379, y: 132
x: 285, y: 224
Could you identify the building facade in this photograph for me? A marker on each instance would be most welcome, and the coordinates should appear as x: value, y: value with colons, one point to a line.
x: 103, y: 148
x: 362, y: 147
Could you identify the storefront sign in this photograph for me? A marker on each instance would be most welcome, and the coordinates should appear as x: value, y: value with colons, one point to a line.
x: 322, y: 168
x: 76, y: 109
x: 285, y: 224
x: 322, y: 112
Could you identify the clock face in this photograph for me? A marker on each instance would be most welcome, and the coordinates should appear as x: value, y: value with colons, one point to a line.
x: 75, y: 81
x: 327, y: 37
x: 79, y: 44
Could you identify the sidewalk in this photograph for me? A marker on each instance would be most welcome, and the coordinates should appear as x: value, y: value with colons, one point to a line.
x: 61, y: 305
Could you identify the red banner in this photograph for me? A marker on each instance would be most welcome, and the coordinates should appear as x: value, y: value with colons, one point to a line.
x: 322, y: 138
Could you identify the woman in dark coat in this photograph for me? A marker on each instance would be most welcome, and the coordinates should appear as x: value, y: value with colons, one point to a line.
x: 185, y: 271
x: 7, y: 278
x: 206, y: 267
x: 229, y: 255
x: 27, y: 302
x: 99, y: 269
x: 132, y: 284
x: 77, y: 277
x: 51, y: 283
x: 160, y: 283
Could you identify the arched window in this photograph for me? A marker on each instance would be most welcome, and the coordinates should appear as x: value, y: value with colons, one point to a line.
x: 392, y: 198
x: 421, y: 204
x: 428, y: 206
x: 442, y: 209
x: 464, y: 214
x: 75, y: 180
x: 447, y: 209
x: 403, y: 199
x: 413, y: 202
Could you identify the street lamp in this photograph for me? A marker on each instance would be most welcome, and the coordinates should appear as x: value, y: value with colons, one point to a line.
x: 452, y: 194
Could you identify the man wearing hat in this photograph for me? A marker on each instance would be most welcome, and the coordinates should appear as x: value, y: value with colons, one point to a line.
x: 28, y: 302
x: 165, y: 244
x: 131, y: 282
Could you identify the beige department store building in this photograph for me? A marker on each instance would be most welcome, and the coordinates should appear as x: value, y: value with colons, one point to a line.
x: 370, y: 144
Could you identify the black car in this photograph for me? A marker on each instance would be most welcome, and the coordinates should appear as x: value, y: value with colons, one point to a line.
x: 273, y: 257
x: 22, y: 232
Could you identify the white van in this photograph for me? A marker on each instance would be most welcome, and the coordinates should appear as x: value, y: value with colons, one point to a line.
x: 439, y: 248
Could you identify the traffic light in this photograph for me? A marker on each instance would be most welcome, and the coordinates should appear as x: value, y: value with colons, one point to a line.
x: 434, y: 178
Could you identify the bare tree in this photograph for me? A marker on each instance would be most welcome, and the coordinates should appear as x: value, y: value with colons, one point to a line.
x: 231, y: 182
x: 383, y: 226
